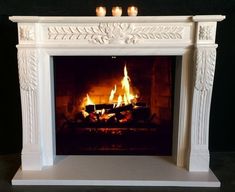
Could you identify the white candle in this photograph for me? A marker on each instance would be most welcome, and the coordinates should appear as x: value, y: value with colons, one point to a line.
x: 132, y: 11
x: 100, y: 11
x: 117, y: 11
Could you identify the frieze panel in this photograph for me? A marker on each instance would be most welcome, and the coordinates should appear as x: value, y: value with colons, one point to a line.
x: 108, y: 33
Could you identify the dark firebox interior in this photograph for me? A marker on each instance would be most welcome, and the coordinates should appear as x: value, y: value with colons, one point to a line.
x: 140, y: 126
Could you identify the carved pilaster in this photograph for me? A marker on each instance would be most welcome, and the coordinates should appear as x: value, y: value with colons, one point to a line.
x: 202, y: 91
x: 28, y: 76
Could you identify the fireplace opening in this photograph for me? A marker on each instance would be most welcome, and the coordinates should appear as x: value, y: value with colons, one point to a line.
x: 114, y: 105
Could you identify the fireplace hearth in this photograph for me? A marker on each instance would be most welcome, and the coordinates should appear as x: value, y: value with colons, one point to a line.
x: 144, y: 81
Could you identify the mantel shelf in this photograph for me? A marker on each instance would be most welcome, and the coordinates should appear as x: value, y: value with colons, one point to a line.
x: 138, y: 19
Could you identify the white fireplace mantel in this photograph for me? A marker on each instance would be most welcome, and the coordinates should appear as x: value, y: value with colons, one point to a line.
x: 191, y: 38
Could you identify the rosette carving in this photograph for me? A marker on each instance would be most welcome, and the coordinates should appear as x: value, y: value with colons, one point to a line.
x: 26, y: 33
x: 205, y: 33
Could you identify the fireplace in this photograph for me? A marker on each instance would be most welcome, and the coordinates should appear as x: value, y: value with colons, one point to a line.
x: 63, y: 102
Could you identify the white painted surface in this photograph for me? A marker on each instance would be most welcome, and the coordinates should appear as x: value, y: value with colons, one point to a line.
x: 116, y: 171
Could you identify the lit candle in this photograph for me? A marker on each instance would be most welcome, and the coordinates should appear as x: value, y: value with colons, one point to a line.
x: 132, y: 11
x: 117, y: 11
x: 100, y: 11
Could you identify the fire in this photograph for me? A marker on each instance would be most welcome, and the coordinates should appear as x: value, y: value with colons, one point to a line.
x: 119, y: 101
x: 124, y: 96
x: 113, y: 91
x: 88, y: 100
x: 127, y: 97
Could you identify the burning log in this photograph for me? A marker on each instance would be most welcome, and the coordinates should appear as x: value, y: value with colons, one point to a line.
x: 105, y: 117
x: 92, y: 108
x: 141, y: 113
x: 138, y: 112
x: 128, y: 107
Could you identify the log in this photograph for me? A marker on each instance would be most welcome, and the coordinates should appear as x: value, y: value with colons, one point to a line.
x: 92, y: 108
x: 141, y: 113
x: 121, y: 108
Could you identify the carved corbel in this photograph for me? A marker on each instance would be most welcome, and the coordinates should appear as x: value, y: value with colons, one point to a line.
x: 202, y: 91
x: 28, y: 77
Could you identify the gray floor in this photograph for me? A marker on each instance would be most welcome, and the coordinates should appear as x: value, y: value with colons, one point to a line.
x: 222, y: 164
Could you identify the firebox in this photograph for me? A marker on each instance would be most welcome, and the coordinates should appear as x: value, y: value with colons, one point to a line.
x: 114, y: 105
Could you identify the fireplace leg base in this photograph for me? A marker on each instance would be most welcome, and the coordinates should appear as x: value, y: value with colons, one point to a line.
x: 115, y: 171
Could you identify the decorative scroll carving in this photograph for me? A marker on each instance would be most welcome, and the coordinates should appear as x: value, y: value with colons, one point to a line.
x: 27, y: 63
x: 205, y: 68
x: 205, y: 33
x: 26, y: 33
x: 107, y: 33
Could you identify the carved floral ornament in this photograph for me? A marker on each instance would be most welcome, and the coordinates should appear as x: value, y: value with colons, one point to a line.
x: 205, y: 32
x: 107, y: 33
x: 26, y: 33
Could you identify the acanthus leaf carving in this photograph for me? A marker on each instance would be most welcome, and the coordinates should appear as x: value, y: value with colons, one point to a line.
x: 205, y: 68
x: 107, y: 33
x: 27, y: 63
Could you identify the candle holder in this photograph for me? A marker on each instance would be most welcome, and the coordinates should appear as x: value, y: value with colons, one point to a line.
x: 117, y: 11
x: 100, y: 11
x: 132, y: 11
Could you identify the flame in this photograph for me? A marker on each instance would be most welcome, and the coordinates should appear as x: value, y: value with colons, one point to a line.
x: 124, y: 97
x: 112, y: 94
x: 102, y: 111
x: 88, y: 100
x: 126, y: 85
x: 119, y: 101
x: 127, y: 97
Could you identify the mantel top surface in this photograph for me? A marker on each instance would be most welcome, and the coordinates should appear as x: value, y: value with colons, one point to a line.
x: 92, y: 19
